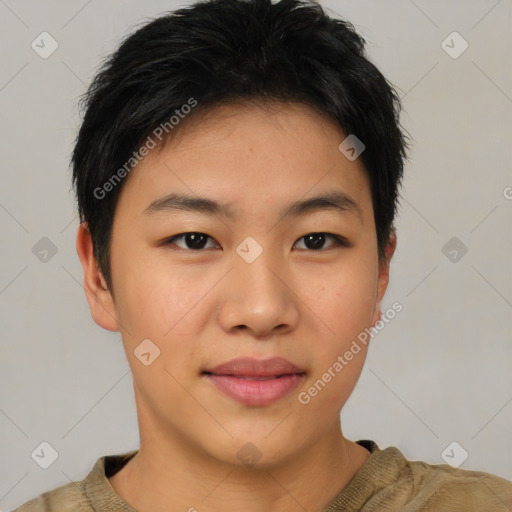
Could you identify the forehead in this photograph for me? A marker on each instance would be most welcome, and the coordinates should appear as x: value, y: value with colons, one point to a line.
x: 249, y: 156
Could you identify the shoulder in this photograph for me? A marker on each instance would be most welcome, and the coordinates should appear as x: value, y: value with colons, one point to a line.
x: 389, y: 481
x: 88, y: 495
x: 66, y: 498
x: 443, y: 487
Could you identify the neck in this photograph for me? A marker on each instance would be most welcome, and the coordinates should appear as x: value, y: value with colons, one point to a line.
x: 174, y: 476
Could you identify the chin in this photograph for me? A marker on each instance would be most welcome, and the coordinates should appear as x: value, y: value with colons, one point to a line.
x: 256, y: 452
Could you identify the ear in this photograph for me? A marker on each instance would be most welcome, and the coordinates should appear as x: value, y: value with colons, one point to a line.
x: 383, y: 279
x: 101, y: 303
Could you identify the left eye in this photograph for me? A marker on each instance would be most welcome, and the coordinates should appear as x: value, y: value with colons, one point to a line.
x: 316, y: 240
x: 313, y: 241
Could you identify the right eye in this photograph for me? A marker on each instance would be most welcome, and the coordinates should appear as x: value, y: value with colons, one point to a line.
x: 192, y: 240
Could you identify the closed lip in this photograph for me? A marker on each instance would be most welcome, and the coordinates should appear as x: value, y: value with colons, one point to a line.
x: 253, y: 367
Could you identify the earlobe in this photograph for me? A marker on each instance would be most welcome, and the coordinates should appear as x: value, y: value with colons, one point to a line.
x: 377, y: 315
x: 384, y: 266
x: 383, y: 279
x: 97, y: 294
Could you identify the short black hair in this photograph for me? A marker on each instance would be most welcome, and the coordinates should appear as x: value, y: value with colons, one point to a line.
x: 214, y: 52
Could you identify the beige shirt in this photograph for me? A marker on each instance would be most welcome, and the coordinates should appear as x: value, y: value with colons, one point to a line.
x: 386, y: 482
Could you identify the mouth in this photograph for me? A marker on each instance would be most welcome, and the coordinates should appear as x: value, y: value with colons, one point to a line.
x: 256, y: 382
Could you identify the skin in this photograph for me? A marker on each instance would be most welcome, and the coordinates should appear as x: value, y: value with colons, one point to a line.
x: 205, y: 307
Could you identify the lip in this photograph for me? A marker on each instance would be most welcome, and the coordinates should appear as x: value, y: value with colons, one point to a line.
x: 257, y: 382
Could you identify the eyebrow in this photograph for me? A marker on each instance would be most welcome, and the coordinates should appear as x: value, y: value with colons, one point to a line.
x: 331, y: 201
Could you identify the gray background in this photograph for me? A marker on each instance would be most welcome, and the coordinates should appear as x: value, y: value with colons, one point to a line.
x: 438, y: 373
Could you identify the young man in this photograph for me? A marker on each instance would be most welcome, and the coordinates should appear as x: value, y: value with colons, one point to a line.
x: 237, y: 175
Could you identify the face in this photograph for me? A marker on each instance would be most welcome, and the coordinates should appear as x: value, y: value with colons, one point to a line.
x: 248, y: 278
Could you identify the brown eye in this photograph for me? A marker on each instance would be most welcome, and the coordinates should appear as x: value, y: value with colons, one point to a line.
x: 316, y: 241
x: 193, y: 240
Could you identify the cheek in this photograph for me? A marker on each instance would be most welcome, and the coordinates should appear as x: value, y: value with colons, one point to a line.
x: 154, y: 303
x: 346, y: 303
x: 355, y: 304
x: 147, y: 300
x: 339, y: 353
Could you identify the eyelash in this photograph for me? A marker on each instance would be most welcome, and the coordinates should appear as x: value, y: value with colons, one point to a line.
x: 339, y: 240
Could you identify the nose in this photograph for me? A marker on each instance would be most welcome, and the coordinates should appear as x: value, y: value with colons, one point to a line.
x: 258, y: 297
